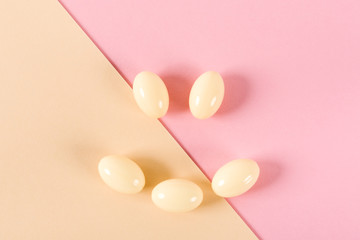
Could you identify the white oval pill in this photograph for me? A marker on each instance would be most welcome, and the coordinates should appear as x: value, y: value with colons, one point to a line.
x: 151, y: 94
x: 177, y: 195
x: 235, y: 177
x: 206, y: 95
x: 121, y: 174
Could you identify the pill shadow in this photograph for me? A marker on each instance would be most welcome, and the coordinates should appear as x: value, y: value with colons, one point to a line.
x: 270, y: 172
x: 209, y: 196
x: 88, y: 157
x: 154, y: 171
x: 179, y: 80
x: 179, y: 86
x: 237, y: 91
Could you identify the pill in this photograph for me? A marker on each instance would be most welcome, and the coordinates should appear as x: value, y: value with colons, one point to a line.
x: 151, y: 94
x: 235, y: 177
x: 206, y: 95
x: 121, y: 174
x: 177, y: 195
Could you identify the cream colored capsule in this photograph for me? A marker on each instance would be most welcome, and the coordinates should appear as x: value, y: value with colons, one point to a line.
x: 206, y: 95
x: 177, y: 195
x: 151, y: 94
x: 235, y: 177
x: 121, y: 174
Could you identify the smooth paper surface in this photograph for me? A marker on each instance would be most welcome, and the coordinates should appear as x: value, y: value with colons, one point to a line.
x: 292, y: 92
x: 63, y: 107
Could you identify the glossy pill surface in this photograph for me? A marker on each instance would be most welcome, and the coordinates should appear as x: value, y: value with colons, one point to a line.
x: 206, y: 95
x: 121, y: 174
x: 177, y: 195
x: 235, y: 177
x: 151, y: 94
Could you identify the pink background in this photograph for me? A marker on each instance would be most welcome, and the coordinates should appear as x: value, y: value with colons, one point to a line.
x: 292, y: 76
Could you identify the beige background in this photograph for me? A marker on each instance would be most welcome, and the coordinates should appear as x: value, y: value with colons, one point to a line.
x: 63, y: 107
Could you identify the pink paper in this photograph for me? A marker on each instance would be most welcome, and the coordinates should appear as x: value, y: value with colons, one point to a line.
x: 292, y: 76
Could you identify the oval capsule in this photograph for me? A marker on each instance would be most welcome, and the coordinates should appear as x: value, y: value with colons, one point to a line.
x: 206, y: 95
x: 121, y: 174
x: 151, y: 94
x: 235, y: 177
x: 177, y: 195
